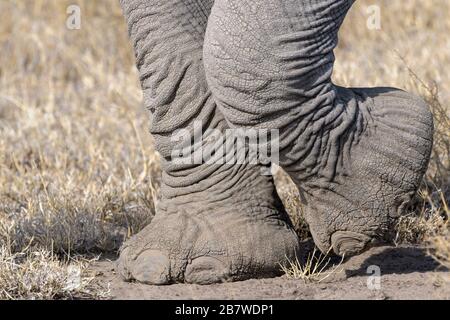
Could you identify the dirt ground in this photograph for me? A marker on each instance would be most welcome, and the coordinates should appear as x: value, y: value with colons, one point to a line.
x: 406, y: 273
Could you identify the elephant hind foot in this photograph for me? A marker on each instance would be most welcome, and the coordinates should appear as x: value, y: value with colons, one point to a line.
x: 215, y: 235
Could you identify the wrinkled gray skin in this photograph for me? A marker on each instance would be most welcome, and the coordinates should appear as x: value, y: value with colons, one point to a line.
x: 357, y: 155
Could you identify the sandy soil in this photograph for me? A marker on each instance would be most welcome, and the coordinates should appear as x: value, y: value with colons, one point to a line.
x: 406, y: 273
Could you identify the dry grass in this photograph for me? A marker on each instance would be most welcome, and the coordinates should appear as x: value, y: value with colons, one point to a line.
x: 316, y: 268
x: 290, y: 196
x: 78, y: 172
x: 39, y: 274
x: 440, y: 247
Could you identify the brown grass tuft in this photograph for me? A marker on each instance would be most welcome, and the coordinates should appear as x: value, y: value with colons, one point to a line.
x: 39, y: 274
x: 316, y: 268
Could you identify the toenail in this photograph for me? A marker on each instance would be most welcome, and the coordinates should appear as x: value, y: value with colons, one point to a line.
x: 349, y: 243
x: 122, y: 264
x: 151, y: 267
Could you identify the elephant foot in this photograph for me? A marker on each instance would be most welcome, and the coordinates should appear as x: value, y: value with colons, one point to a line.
x: 376, y: 176
x: 357, y: 155
x: 232, y: 230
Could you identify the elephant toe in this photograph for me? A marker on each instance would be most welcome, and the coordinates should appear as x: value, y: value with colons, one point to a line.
x: 206, y: 270
x: 123, y: 263
x: 150, y: 267
x: 347, y: 243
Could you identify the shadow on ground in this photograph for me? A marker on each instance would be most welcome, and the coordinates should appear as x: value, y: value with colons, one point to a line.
x: 399, y: 260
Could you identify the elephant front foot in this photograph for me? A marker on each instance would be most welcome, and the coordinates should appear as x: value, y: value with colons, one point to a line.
x: 376, y: 176
x: 213, y: 236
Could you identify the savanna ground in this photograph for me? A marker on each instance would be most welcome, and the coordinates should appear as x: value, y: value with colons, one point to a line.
x: 78, y: 173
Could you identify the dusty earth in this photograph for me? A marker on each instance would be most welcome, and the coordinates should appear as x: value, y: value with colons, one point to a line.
x: 407, y: 272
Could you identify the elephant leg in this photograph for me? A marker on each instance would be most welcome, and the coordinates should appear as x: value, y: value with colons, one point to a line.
x: 357, y: 155
x: 215, y: 221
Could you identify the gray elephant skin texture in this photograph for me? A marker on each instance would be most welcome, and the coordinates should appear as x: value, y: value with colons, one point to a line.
x: 357, y: 155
